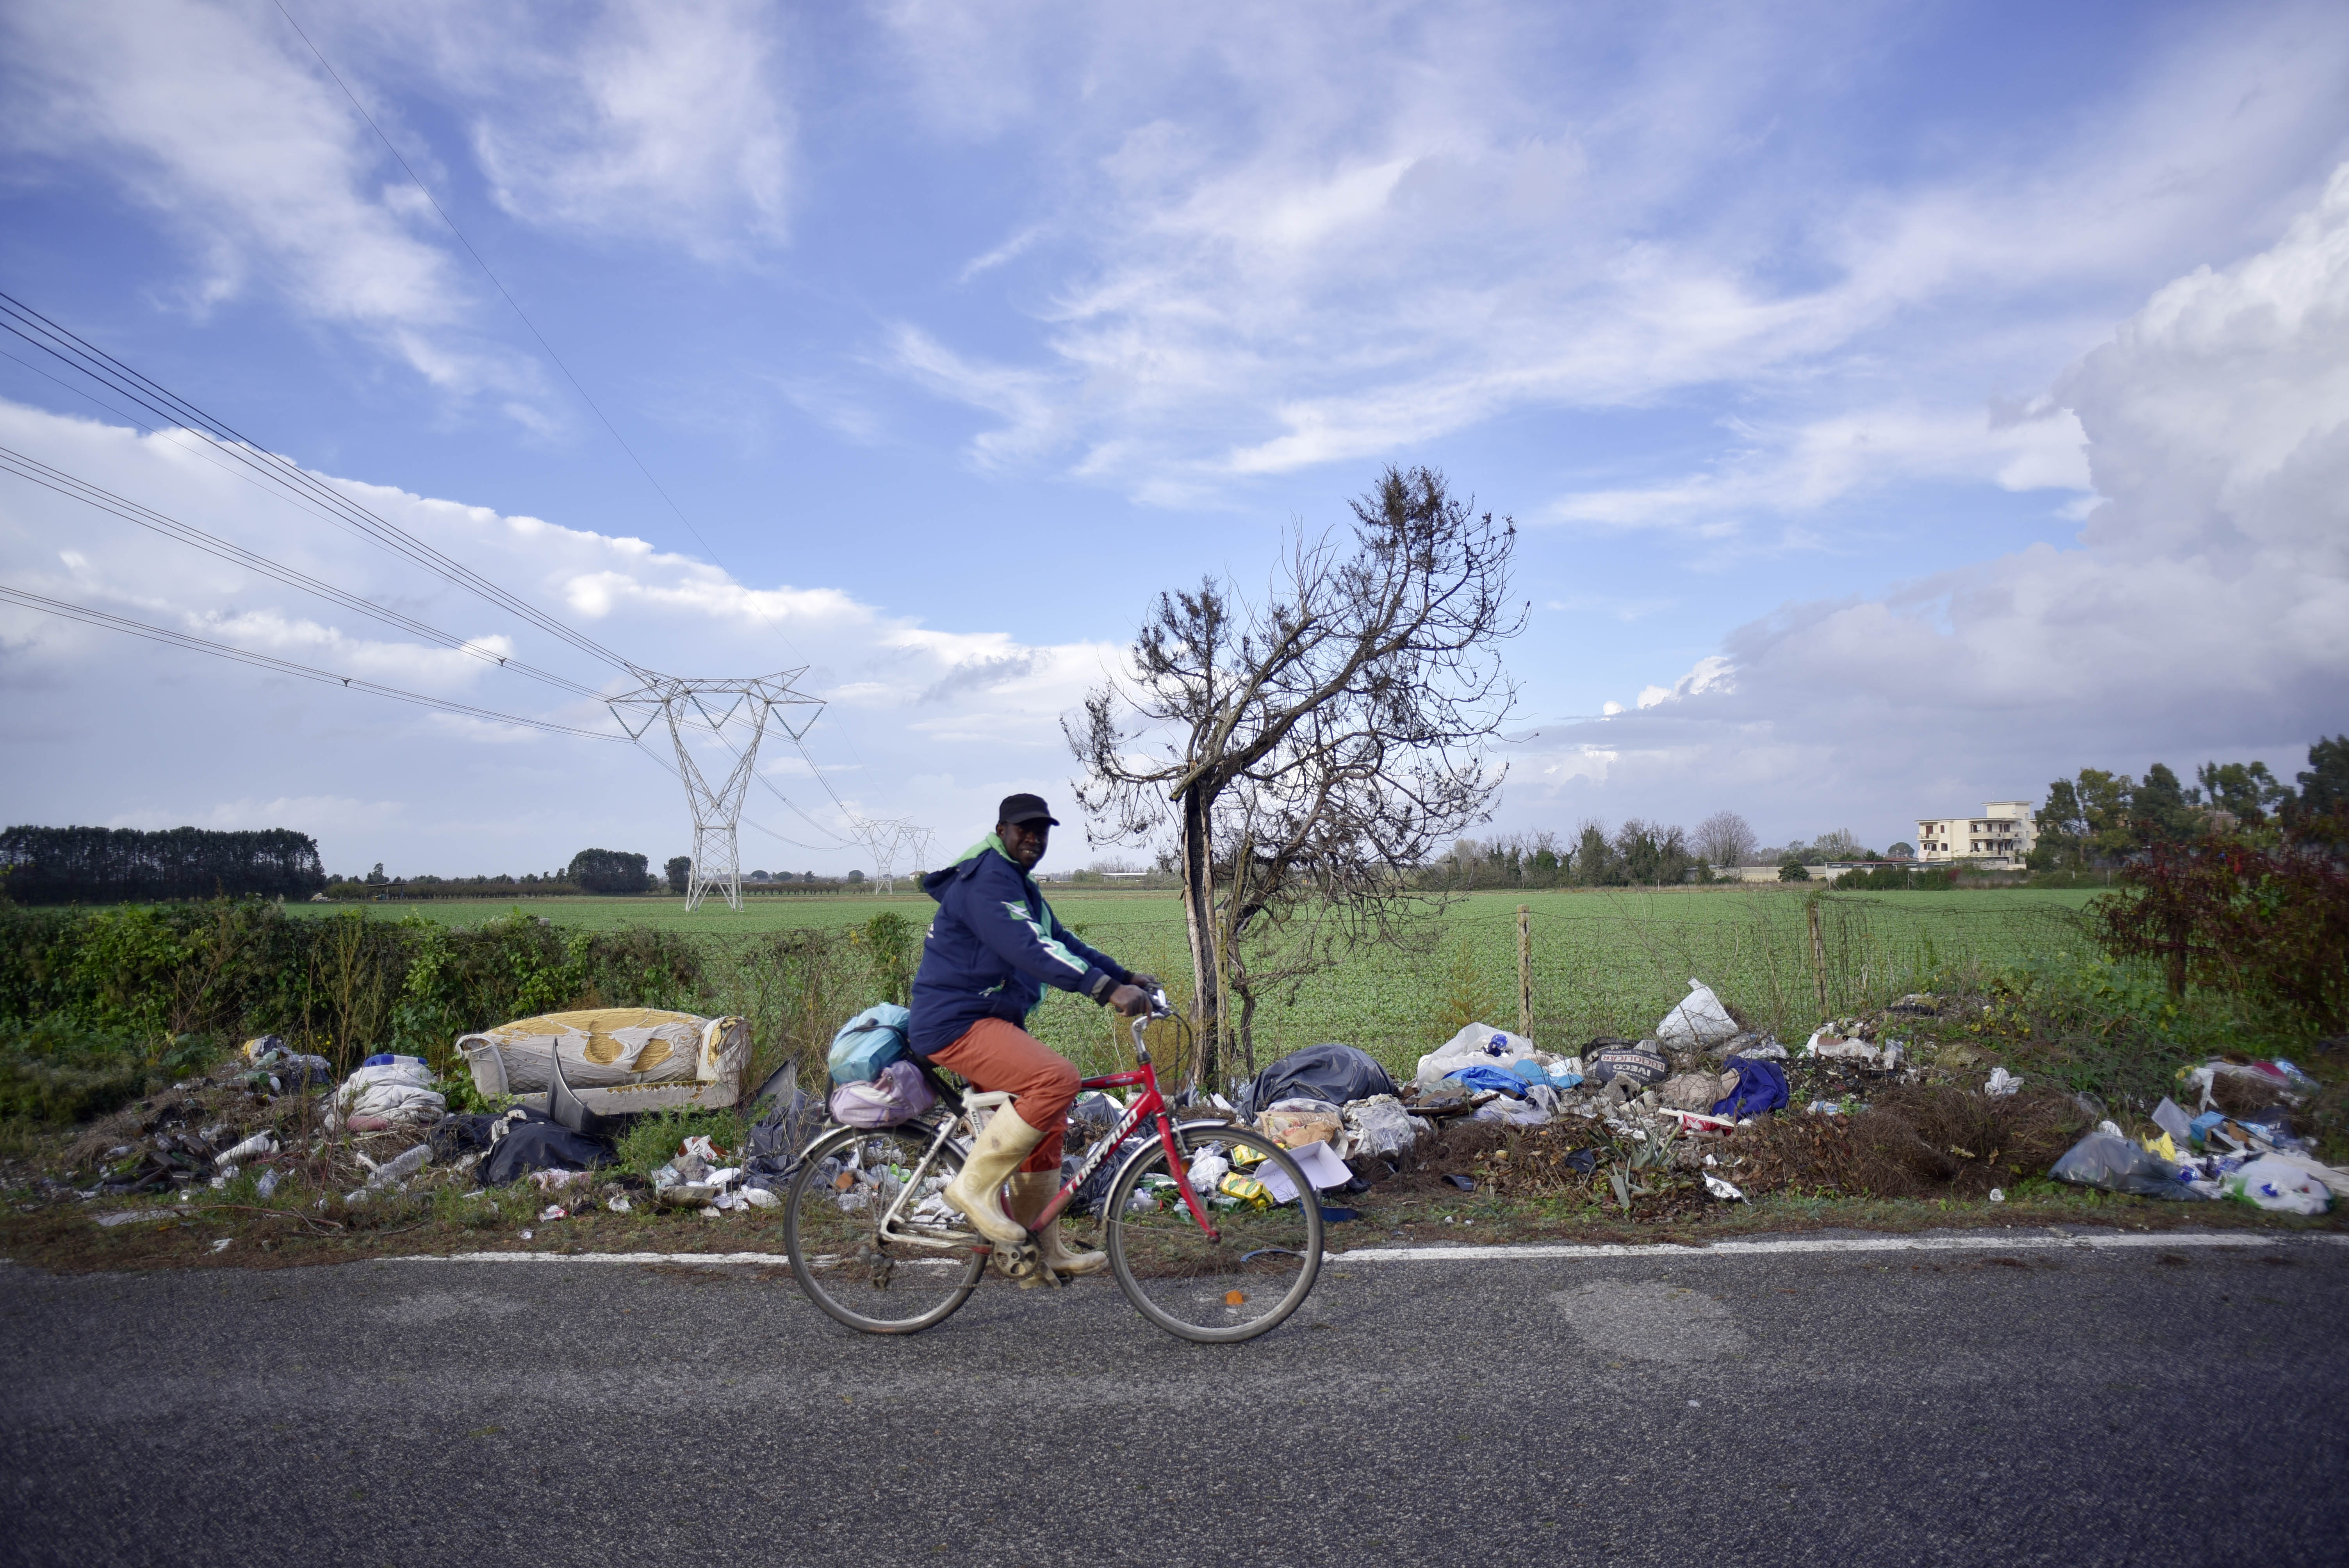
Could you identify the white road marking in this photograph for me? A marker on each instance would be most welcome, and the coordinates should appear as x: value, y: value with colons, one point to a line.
x: 1927, y: 1242
x: 1534, y: 1251
x: 712, y: 1260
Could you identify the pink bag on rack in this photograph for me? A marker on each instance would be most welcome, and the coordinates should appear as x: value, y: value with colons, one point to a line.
x: 899, y: 1094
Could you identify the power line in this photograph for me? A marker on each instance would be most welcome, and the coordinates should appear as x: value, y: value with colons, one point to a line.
x: 66, y: 484
x: 576, y: 386
x: 281, y: 666
x: 95, y: 363
x: 287, y: 481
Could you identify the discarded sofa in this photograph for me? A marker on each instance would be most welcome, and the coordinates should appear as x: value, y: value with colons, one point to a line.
x: 617, y: 1060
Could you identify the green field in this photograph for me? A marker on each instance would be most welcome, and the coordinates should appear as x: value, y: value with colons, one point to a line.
x: 1603, y: 961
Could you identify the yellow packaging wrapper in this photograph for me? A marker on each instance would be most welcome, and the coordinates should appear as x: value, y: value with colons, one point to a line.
x: 1246, y: 1188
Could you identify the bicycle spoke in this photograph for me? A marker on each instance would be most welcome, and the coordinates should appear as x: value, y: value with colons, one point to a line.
x: 1251, y: 1273
x: 894, y: 1280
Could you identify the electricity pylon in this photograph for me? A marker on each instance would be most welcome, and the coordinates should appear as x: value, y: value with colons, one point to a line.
x: 716, y: 863
x: 889, y: 837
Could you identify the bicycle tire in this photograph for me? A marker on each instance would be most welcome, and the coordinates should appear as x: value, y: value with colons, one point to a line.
x: 840, y: 1260
x: 1197, y: 1289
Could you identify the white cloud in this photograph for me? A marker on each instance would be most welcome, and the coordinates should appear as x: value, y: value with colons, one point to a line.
x: 200, y: 113
x: 936, y: 723
x: 1782, y: 473
x: 1295, y: 235
x: 2205, y: 612
x: 662, y: 123
x: 667, y: 121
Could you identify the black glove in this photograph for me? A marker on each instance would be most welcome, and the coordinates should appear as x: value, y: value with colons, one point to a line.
x: 1147, y: 982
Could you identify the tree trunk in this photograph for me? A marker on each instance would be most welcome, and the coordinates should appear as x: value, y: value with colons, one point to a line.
x: 1248, y: 1031
x: 1199, y: 920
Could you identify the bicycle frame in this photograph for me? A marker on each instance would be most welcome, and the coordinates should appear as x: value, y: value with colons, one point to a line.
x: 1150, y: 1103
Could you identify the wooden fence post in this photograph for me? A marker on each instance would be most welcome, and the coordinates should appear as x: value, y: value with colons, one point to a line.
x: 1819, y: 955
x: 1524, y: 971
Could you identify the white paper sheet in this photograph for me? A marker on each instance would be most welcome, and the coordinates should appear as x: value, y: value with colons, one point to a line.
x: 1318, y: 1161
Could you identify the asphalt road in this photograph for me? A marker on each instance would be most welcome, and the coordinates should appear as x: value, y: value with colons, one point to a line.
x: 2156, y: 1404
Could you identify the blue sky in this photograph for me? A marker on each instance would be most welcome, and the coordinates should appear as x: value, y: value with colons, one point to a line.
x: 1902, y: 405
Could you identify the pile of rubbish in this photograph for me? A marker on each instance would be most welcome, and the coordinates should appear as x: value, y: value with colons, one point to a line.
x: 204, y: 1132
x: 1632, y: 1118
x: 715, y: 1182
x: 273, y: 1112
x: 1705, y: 1110
x: 2242, y: 1145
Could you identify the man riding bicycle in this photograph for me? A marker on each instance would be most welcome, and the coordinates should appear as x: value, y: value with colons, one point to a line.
x: 991, y: 950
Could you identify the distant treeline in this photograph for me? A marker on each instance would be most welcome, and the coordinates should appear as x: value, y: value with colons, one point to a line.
x: 126, y: 865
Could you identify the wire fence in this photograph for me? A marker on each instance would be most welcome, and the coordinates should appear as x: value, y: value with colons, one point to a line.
x: 1600, y: 963
x: 1596, y: 963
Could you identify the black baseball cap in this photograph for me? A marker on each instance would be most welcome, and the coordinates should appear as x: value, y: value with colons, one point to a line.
x: 1017, y: 809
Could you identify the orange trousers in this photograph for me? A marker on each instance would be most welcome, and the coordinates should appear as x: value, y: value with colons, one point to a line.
x: 996, y: 1054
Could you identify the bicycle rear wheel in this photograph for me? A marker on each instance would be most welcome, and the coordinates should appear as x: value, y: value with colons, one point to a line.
x: 1256, y: 1270
x: 896, y: 1283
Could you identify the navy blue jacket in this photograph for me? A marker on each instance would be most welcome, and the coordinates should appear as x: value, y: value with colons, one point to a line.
x: 992, y: 948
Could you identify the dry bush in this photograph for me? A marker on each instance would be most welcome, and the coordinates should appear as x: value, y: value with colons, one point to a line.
x: 2238, y: 1094
x: 1912, y: 1143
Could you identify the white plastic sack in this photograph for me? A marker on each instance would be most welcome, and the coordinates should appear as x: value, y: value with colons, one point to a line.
x: 1381, y: 1129
x: 1538, y: 1106
x: 2336, y: 1179
x: 399, y: 1090
x: 2272, y: 1184
x: 1697, y: 1020
x: 1479, y: 1043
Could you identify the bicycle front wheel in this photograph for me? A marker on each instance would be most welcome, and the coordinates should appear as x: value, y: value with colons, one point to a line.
x: 1253, y: 1273
x: 870, y: 1238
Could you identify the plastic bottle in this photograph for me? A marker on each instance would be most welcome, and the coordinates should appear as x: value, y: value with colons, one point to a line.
x: 260, y: 1143
x: 401, y: 1167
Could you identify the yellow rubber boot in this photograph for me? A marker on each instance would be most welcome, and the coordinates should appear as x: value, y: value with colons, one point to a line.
x: 1002, y: 1144
x: 1031, y: 1191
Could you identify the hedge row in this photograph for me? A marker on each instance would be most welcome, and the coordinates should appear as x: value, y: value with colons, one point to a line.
x: 346, y: 985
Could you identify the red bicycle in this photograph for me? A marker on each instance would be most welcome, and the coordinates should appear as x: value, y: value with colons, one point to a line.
x: 1211, y: 1231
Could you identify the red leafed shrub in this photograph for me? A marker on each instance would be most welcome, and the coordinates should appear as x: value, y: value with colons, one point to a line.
x: 2268, y: 922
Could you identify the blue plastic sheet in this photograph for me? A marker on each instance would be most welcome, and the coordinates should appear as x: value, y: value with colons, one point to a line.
x: 1481, y: 1077
x: 1760, y: 1089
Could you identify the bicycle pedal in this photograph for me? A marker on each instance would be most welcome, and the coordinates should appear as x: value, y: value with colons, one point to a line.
x: 1021, y: 1261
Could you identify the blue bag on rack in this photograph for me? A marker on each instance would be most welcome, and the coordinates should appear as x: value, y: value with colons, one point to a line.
x: 868, y: 1043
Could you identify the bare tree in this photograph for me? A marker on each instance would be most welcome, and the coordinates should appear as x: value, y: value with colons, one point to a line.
x: 1312, y: 750
x: 1725, y: 838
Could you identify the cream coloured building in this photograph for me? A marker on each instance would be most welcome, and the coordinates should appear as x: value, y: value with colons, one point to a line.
x: 1997, y: 840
